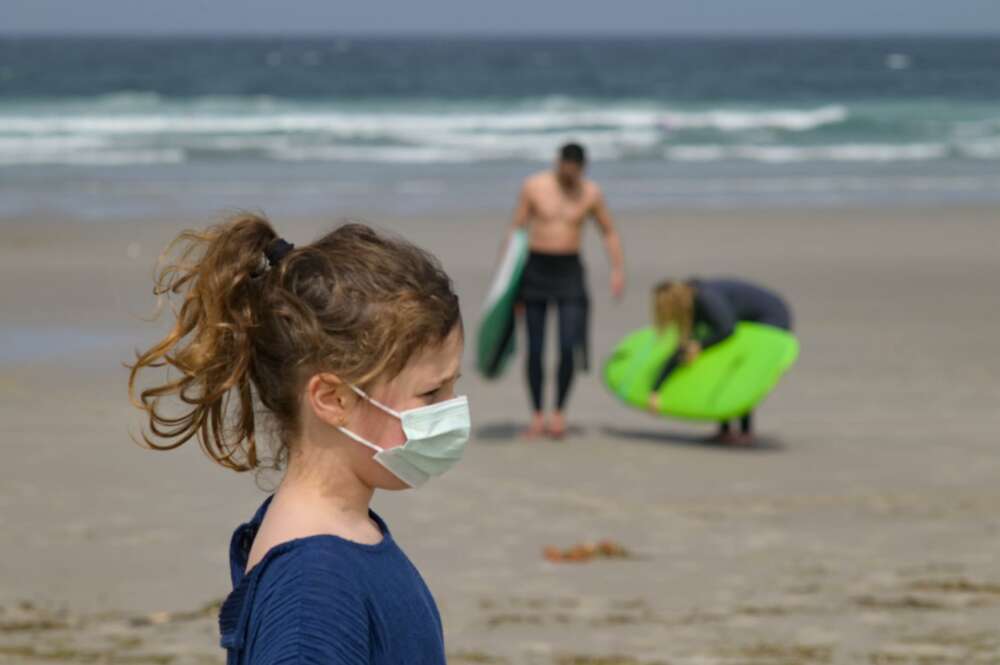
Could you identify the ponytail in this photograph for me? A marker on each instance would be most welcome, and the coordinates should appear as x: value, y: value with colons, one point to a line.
x: 218, y: 272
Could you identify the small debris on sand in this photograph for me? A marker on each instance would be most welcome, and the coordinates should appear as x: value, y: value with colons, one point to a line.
x: 583, y: 552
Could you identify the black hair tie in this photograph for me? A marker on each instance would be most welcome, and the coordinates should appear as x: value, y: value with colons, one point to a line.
x: 276, y: 250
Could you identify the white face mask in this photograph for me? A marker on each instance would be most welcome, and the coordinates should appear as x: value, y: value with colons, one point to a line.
x: 435, y: 439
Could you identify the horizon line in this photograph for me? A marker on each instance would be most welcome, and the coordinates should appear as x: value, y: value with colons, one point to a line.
x: 499, y: 34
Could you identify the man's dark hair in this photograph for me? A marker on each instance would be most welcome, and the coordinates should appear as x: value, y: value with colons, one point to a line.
x: 573, y: 152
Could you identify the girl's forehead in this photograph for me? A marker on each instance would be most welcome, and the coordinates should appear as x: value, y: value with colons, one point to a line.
x: 437, y: 360
x: 444, y: 356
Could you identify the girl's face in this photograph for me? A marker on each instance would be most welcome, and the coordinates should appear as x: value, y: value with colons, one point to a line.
x: 428, y: 378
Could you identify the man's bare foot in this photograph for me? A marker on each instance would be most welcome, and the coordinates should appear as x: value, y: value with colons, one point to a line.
x: 723, y: 438
x: 557, y: 426
x: 732, y: 439
x: 653, y: 404
x: 536, y: 429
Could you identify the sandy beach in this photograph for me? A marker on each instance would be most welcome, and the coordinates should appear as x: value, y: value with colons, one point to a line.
x: 863, y: 529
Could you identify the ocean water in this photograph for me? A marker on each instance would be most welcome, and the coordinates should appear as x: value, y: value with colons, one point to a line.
x: 106, y: 128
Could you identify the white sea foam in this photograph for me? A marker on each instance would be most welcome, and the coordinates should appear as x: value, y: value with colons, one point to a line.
x: 141, y: 128
x: 49, y: 144
x: 780, y: 154
x: 151, y: 129
x: 404, y: 155
x: 735, y: 121
x: 367, y: 124
x: 94, y: 157
x: 983, y: 148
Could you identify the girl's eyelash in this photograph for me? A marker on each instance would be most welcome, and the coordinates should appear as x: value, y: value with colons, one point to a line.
x: 434, y: 392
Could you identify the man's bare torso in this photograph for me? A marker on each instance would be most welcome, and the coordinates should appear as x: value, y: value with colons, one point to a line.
x: 557, y: 216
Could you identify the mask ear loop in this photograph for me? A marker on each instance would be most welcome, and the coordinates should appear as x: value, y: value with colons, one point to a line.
x: 348, y: 433
x: 390, y: 411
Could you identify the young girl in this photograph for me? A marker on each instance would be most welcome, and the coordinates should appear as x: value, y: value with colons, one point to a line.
x: 347, y: 350
x: 714, y: 305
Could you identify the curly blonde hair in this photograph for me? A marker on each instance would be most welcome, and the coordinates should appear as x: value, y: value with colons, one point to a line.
x: 356, y: 303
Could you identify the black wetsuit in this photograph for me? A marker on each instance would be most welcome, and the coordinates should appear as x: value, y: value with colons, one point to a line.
x: 559, y: 279
x: 719, y: 304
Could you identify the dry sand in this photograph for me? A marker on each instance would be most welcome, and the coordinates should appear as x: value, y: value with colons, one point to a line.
x: 864, y: 530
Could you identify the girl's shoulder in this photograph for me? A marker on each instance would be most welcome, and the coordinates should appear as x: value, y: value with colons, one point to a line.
x: 316, y: 537
x: 314, y: 547
x: 321, y: 559
x: 313, y: 589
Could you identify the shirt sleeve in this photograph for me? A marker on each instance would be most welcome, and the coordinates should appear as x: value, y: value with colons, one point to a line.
x: 668, y: 369
x: 313, y: 615
x: 713, y: 310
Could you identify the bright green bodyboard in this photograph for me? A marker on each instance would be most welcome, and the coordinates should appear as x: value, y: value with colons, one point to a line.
x: 495, y: 339
x: 726, y: 381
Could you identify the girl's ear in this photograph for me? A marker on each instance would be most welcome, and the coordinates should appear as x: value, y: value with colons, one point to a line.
x: 330, y: 398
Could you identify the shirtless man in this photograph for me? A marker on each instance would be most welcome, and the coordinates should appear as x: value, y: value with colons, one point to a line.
x: 554, y: 205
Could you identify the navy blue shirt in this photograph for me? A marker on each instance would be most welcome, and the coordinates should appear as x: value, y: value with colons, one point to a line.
x: 325, y: 599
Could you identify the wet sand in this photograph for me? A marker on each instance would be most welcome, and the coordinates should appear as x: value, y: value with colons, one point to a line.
x: 864, y: 529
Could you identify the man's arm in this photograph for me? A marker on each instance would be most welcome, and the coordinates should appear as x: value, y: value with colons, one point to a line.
x: 612, y: 243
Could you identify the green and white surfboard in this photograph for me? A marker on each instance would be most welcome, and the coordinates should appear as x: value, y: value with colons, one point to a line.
x: 495, y: 339
x: 726, y: 381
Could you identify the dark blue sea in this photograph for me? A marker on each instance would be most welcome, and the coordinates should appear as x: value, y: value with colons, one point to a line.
x: 107, y: 128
